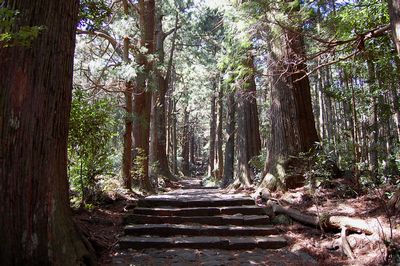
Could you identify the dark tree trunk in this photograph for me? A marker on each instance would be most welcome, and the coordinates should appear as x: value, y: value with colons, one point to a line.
x: 174, y: 140
x: 213, y: 124
x: 230, y: 143
x: 36, y: 226
x: 396, y: 98
x: 394, y: 12
x: 153, y: 167
x: 142, y: 98
x: 220, y: 137
x: 185, y: 144
x: 248, y: 134
x: 141, y: 134
x: 127, y: 150
x: 192, y: 147
x: 293, y: 126
x: 128, y: 143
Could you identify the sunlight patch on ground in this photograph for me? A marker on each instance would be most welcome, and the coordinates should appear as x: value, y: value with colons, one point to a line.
x: 338, y: 207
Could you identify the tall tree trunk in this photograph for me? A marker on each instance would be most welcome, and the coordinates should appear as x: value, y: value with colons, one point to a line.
x: 163, y: 82
x: 174, y: 140
x: 36, y: 226
x: 128, y: 143
x: 396, y: 98
x: 248, y: 133
x: 230, y: 143
x: 185, y: 144
x: 220, y: 137
x: 373, y: 121
x: 356, y: 144
x: 213, y: 124
x: 153, y: 171
x: 394, y: 12
x: 142, y: 99
x: 293, y: 126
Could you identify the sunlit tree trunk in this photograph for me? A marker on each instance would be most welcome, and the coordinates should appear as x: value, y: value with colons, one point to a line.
x: 36, y: 225
x: 163, y: 82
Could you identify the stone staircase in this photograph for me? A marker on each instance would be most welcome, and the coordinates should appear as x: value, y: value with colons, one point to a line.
x: 199, y: 218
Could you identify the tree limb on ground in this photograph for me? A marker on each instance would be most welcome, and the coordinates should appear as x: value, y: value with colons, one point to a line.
x: 326, y: 221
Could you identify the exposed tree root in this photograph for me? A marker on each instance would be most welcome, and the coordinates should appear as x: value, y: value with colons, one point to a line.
x: 328, y: 222
x: 345, y: 246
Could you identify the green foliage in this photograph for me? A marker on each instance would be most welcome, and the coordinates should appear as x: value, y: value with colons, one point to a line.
x: 89, y: 141
x: 12, y: 36
x: 93, y: 13
x: 139, y: 164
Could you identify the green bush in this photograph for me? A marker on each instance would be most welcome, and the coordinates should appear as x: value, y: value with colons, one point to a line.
x: 90, y: 148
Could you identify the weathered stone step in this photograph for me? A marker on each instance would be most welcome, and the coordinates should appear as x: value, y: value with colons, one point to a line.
x: 201, y: 211
x: 198, y: 230
x: 206, y: 242
x: 246, y: 220
x: 191, y: 202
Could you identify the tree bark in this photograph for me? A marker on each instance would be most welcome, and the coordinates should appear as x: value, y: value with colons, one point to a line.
x: 248, y: 133
x: 36, y: 226
x: 163, y: 87
x: 326, y: 221
x: 394, y: 13
x: 185, y: 144
x: 128, y: 143
x: 230, y: 143
x: 213, y: 122
x: 293, y: 126
x: 143, y: 91
x: 373, y: 122
x: 220, y: 137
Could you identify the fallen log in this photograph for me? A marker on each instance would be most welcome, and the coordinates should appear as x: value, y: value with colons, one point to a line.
x: 326, y: 221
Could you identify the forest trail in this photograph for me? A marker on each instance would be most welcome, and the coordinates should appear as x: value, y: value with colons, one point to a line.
x: 200, y: 226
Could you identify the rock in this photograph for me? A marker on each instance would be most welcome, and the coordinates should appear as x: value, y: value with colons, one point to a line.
x: 282, y: 219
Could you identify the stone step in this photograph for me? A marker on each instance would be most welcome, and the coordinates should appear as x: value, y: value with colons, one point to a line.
x: 198, y: 230
x: 240, y: 220
x: 189, y: 201
x: 202, y: 242
x: 201, y: 211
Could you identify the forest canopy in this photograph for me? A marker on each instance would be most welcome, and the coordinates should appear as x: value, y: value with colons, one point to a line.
x: 339, y: 55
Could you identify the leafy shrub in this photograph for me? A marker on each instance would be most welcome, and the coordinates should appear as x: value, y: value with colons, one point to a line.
x: 89, y: 142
